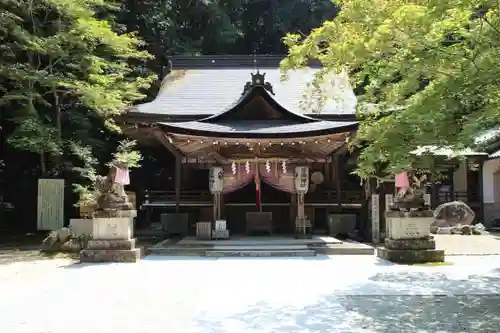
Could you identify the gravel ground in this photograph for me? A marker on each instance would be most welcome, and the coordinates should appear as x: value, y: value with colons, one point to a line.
x: 469, y: 244
x: 296, y: 295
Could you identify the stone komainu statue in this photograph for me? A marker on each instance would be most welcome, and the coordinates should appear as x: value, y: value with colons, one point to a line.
x: 412, y: 197
x: 112, y: 194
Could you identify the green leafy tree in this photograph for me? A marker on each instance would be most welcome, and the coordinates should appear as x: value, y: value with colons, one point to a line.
x: 62, y: 64
x: 430, y: 66
x: 125, y: 156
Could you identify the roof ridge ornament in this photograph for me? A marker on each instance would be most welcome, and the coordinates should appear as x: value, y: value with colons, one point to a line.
x: 258, y: 80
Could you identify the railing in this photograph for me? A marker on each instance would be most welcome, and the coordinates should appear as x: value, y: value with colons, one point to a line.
x: 197, y: 196
x: 332, y: 196
x: 170, y: 196
x: 446, y: 196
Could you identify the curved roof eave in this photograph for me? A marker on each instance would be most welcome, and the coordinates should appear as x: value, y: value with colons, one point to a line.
x: 271, y: 131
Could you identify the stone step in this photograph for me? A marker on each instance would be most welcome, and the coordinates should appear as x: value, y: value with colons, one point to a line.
x: 260, y: 247
x: 180, y: 251
x: 344, y: 250
x: 261, y: 241
x: 260, y: 253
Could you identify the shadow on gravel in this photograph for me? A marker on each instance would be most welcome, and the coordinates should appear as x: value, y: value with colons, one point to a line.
x: 376, y: 312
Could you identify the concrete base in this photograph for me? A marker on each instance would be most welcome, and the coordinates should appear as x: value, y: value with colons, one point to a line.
x: 111, y: 250
x: 80, y: 227
x: 111, y: 244
x: 410, y: 244
x: 411, y: 256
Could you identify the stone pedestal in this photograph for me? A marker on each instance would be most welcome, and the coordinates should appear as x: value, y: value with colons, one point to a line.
x: 112, y: 240
x: 80, y: 227
x: 409, y: 240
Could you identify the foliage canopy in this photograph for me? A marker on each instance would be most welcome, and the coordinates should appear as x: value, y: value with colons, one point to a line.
x: 431, y: 65
x: 62, y: 66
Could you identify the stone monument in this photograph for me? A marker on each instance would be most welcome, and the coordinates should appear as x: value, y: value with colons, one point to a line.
x: 113, y: 222
x: 408, y: 238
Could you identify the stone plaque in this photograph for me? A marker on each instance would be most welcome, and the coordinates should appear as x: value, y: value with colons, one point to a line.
x: 411, y: 230
x: 408, y: 227
x: 113, y: 228
x: 427, y: 199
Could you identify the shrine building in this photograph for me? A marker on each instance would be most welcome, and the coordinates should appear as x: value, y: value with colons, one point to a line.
x: 235, y: 139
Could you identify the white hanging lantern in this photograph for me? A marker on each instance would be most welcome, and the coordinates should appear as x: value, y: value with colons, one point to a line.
x: 302, y: 179
x: 233, y: 168
x: 283, y: 166
x: 247, y: 167
x: 268, y: 166
x: 216, y: 180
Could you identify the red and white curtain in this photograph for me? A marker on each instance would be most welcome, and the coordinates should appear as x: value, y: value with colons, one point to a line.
x: 274, y: 177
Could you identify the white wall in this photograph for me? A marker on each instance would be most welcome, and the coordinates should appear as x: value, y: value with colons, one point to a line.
x: 489, y: 168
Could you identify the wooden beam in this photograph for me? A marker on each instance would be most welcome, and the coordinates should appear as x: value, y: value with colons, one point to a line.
x: 178, y: 178
x: 162, y: 137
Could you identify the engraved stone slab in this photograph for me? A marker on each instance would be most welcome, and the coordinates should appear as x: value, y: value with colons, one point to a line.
x: 408, y: 227
x: 113, y: 228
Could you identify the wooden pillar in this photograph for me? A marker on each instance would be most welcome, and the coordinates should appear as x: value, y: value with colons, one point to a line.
x: 434, y: 192
x: 333, y: 172
x: 451, y: 174
x: 222, y: 207
x: 327, y: 170
x: 216, y: 208
x: 300, y: 206
x: 337, y: 174
x: 178, y: 182
x: 481, y: 191
x: 293, y: 210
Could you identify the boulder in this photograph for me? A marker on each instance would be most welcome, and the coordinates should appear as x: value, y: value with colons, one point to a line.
x: 73, y: 246
x: 466, y: 230
x: 64, y: 234
x: 453, y: 213
x: 51, y: 243
x: 55, y: 239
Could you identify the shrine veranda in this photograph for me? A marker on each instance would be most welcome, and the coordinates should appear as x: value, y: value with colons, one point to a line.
x: 234, y: 117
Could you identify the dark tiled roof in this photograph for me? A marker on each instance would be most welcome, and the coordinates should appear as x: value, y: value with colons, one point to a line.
x: 207, y: 85
x: 267, y: 128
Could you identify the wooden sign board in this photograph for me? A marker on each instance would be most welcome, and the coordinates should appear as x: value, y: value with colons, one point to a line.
x: 50, y: 204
